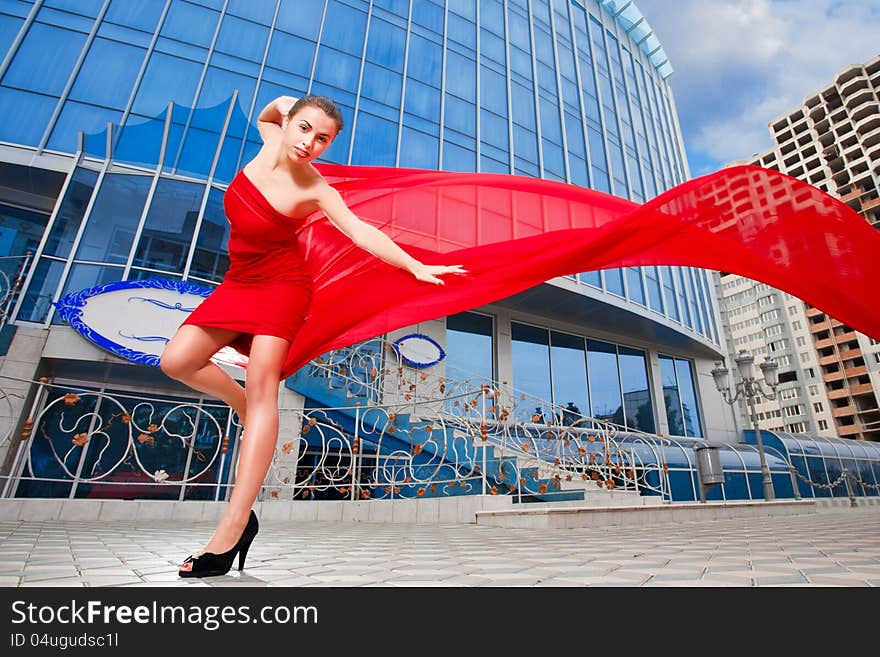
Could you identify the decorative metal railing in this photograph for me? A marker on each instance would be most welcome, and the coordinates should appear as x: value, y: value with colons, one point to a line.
x: 401, y: 432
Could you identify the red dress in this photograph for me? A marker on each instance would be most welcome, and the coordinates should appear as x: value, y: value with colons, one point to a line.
x: 267, y: 289
x: 306, y: 281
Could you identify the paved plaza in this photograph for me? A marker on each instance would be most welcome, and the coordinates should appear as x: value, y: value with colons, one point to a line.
x: 836, y: 546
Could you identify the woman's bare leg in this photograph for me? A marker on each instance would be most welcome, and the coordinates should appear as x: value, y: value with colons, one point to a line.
x: 255, y: 453
x: 187, y: 359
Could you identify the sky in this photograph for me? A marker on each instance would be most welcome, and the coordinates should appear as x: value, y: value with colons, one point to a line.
x: 739, y: 64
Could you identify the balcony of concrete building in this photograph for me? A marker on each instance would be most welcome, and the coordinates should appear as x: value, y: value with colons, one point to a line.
x: 848, y: 430
x: 845, y: 336
x: 830, y: 377
x: 839, y: 393
x: 824, y: 343
x: 871, y: 138
x: 852, y: 196
x: 870, y: 205
x: 854, y: 84
x: 828, y: 360
x: 866, y: 119
x: 849, y: 354
x: 863, y: 97
x: 780, y: 126
x: 847, y: 75
x: 862, y: 389
x: 856, y: 370
x: 843, y: 411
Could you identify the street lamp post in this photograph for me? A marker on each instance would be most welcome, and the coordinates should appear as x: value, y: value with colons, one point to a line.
x: 750, y: 388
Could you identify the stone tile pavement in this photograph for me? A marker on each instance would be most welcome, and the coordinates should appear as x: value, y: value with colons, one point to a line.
x: 835, y: 547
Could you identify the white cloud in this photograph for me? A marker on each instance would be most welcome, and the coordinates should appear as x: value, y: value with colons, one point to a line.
x: 741, y: 63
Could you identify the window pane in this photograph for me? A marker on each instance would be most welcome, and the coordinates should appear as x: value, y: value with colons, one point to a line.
x: 70, y: 215
x: 82, y: 277
x: 114, y: 218
x: 636, y: 392
x: 604, y: 382
x: 469, y: 347
x: 569, y: 357
x: 375, y: 141
x: 671, y: 397
x: 418, y: 150
x: 45, y: 59
x: 531, y: 368
x: 688, y: 398
x: 168, y: 231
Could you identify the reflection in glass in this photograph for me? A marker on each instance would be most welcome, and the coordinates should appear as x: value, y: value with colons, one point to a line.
x: 569, y: 356
x: 671, y: 396
x: 530, y: 353
x: 469, y: 347
x: 604, y: 382
x: 211, y: 259
x: 70, y: 215
x: 689, y: 409
x: 168, y: 230
x: 114, y: 218
x: 636, y: 391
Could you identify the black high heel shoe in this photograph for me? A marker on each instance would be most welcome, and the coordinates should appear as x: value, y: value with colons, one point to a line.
x: 210, y: 564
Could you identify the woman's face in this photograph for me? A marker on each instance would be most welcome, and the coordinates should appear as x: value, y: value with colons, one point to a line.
x: 309, y: 132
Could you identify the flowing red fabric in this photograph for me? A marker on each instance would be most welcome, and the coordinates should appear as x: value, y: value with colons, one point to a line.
x: 512, y: 233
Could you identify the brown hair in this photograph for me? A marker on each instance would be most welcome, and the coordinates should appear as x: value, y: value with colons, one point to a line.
x: 322, y: 103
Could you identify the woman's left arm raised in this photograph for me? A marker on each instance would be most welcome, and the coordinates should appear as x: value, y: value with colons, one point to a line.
x: 374, y: 241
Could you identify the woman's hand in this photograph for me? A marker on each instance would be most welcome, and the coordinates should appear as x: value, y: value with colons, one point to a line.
x: 430, y: 273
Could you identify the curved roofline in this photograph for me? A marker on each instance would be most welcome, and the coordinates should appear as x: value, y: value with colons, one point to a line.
x: 633, y: 23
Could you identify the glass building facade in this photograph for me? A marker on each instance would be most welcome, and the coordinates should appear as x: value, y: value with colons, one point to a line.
x: 146, y: 110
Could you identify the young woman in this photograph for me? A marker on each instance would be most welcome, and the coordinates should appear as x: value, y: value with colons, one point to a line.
x: 264, y: 298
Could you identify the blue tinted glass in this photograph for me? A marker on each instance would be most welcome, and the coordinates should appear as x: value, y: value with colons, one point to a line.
x: 166, y: 79
x: 569, y: 358
x: 525, y: 144
x: 198, y: 153
x: 682, y: 299
x: 530, y: 353
x: 655, y: 296
x: 636, y: 392
x: 428, y: 14
x: 456, y: 158
x: 142, y: 15
x: 669, y: 293
x: 593, y: 278
x: 190, y: 23
x: 381, y: 84
x: 171, y: 220
x: 614, y: 281
x: 492, y: 46
x: 91, y: 120
x: 139, y: 140
x: 461, y: 76
x: 418, y: 150
x: 85, y: 7
x: 210, y: 259
x: 9, y: 27
x: 425, y: 60
x: 227, y: 161
x: 493, y: 91
x: 300, y: 18
x: 291, y: 54
x: 671, y: 397
x: 604, y: 382
x: 493, y: 130
x: 107, y: 74
x: 461, y: 31
x: 110, y: 230
x: 422, y: 100
x: 70, y: 215
x: 242, y: 38
x: 41, y: 291
x: 337, y: 69
x: 24, y: 116
x: 523, y: 106
x: 261, y: 12
x: 460, y: 115
x: 375, y: 142
x: 344, y: 28
x: 688, y: 398
x: 216, y: 91
x: 469, y: 347
x: 45, y: 59
x: 386, y: 44
x: 399, y: 7
x: 21, y: 231
x: 634, y: 283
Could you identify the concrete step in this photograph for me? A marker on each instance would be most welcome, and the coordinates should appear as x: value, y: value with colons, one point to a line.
x: 538, y: 516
